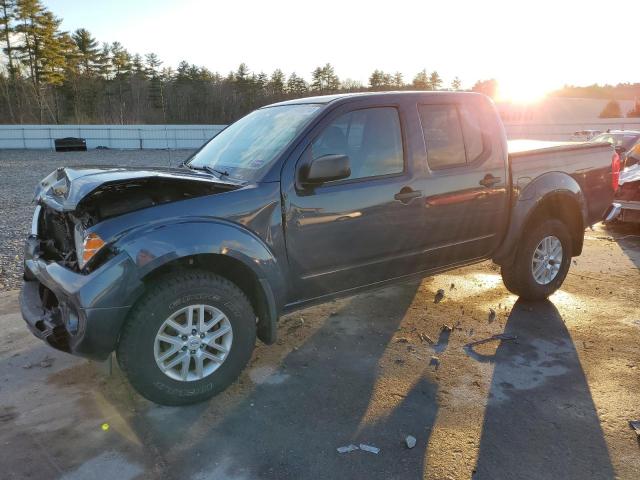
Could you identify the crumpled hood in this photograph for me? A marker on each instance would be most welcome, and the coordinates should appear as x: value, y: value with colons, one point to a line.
x: 630, y: 174
x: 66, y: 187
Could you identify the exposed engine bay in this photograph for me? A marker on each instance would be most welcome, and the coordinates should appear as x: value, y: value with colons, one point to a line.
x: 115, y: 199
x: 58, y: 231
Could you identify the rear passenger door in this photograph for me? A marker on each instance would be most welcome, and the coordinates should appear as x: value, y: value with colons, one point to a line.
x: 465, y: 185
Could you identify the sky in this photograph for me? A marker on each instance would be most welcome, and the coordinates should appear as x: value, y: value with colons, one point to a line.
x: 530, y: 46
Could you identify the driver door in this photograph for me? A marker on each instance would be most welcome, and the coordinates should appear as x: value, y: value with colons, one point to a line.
x: 363, y: 229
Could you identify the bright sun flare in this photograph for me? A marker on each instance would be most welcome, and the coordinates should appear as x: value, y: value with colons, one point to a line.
x: 521, y: 92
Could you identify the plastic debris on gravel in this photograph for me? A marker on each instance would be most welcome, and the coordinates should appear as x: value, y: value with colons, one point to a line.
x: 369, y: 448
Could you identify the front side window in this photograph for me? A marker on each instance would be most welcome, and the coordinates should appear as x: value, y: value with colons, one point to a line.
x: 370, y: 137
x: 246, y: 148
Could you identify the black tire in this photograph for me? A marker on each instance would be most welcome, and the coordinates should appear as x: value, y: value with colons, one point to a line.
x: 165, y: 296
x: 518, y: 277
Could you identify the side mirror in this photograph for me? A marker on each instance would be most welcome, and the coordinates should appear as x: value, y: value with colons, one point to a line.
x: 325, y: 169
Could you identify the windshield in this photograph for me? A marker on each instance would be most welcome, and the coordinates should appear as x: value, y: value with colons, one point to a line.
x: 624, y: 140
x: 246, y: 148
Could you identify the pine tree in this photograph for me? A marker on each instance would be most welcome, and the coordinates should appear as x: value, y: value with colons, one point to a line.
x: 182, y: 72
x: 376, y: 80
x: 89, y: 51
x: 456, y: 84
x: 196, y: 73
x: 276, y: 83
x: 50, y: 61
x: 105, y: 67
x: 381, y: 81
x: 611, y: 110
x: 261, y: 81
x: 324, y: 79
x: 120, y: 60
x: 137, y: 66
x: 153, y: 64
x: 398, y: 82
x: 156, y: 93
x: 435, y: 81
x: 296, y: 86
x: 28, y: 13
x: 121, y: 66
x: 242, y: 74
x: 421, y: 81
x: 7, y: 17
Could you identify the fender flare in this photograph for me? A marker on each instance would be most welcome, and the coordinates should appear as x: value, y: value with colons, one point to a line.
x: 527, y: 201
x: 158, y: 244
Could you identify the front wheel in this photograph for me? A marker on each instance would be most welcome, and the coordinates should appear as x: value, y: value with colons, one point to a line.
x: 541, y: 262
x: 188, y: 338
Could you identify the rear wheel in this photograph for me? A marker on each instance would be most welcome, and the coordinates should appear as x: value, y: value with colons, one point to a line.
x: 188, y: 338
x: 541, y: 262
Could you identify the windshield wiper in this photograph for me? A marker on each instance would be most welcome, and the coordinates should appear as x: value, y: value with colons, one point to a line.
x: 211, y: 170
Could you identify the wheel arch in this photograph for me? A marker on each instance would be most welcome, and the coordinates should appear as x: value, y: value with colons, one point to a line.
x: 257, y: 290
x: 221, y: 247
x: 553, y: 195
x: 563, y: 207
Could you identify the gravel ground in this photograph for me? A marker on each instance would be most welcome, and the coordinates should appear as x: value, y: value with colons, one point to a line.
x: 553, y: 404
x: 21, y: 170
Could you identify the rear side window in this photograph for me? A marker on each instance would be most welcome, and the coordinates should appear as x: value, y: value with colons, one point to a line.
x: 472, y: 132
x: 452, y: 134
x: 371, y: 137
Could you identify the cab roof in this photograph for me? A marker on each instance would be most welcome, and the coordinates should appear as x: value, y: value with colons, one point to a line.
x: 326, y: 99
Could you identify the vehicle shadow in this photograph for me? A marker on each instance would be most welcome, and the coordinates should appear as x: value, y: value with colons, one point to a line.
x: 321, y: 398
x: 627, y: 236
x: 540, y: 421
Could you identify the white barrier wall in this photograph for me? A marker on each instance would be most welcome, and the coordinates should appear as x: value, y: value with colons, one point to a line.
x: 110, y: 136
x: 193, y: 136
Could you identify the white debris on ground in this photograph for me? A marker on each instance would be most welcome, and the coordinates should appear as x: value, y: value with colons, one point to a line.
x: 347, y: 449
x: 369, y: 448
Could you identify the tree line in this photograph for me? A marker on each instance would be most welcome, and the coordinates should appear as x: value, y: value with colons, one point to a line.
x: 48, y: 75
x: 51, y: 76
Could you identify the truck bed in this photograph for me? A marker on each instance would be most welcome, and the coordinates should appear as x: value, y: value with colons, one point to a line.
x: 522, y: 147
x: 585, y: 162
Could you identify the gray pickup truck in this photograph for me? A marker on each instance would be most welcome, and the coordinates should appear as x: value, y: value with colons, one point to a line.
x: 178, y: 270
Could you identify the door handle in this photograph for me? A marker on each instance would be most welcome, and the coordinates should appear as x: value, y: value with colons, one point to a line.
x: 406, y: 195
x: 489, y: 180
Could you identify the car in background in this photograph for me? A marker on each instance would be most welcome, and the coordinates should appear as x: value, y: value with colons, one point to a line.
x: 632, y: 157
x: 584, y: 135
x: 626, y: 206
x: 625, y: 142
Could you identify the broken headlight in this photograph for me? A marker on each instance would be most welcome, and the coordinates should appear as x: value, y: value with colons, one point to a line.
x: 87, y: 245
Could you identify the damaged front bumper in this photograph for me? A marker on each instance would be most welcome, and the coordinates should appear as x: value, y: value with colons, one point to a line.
x: 626, y: 206
x: 76, y: 313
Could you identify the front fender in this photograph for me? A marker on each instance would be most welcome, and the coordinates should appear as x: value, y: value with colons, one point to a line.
x: 528, y: 199
x: 155, y: 245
